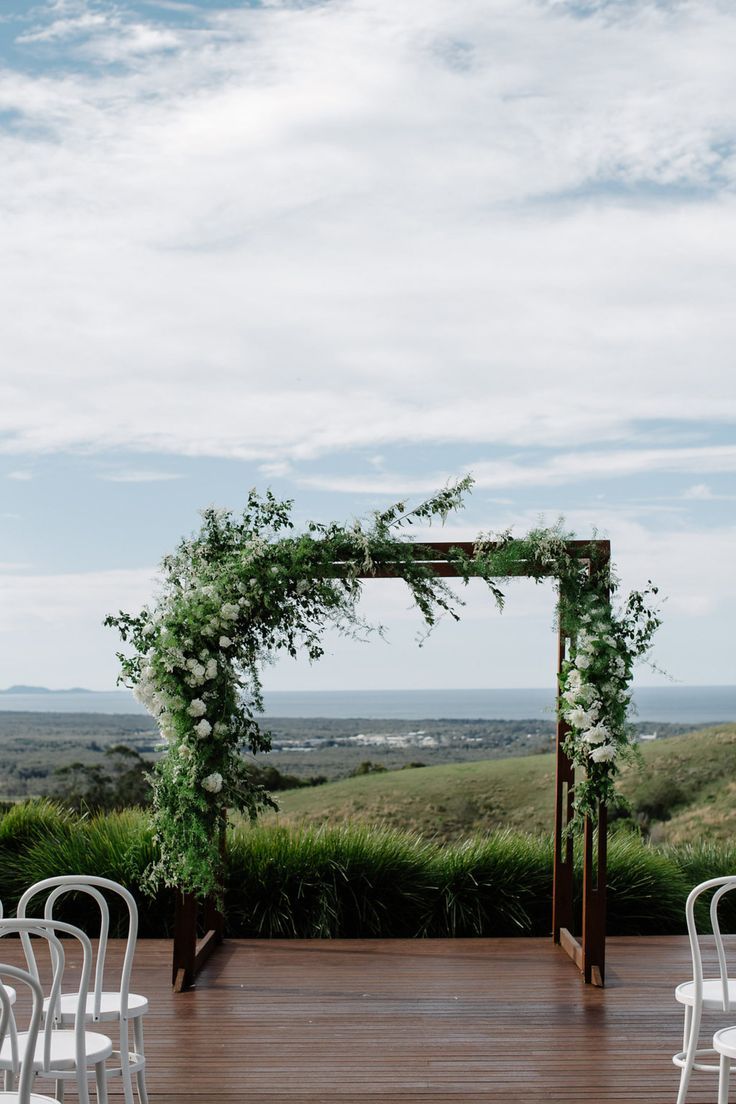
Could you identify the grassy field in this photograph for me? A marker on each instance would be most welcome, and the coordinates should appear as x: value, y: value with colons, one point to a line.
x: 685, y: 786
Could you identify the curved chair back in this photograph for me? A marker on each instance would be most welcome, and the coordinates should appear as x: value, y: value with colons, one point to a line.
x: 7, y: 1019
x: 47, y: 930
x: 54, y: 888
x: 722, y: 886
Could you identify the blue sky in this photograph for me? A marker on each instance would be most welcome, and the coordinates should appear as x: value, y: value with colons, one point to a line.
x: 351, y: 250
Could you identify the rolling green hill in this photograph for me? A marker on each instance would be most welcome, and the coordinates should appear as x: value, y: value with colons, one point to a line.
x: 684, y: 789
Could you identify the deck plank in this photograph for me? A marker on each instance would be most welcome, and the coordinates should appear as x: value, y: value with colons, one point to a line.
x: 418, y: 1021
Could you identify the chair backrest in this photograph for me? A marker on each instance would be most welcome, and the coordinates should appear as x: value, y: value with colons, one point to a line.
x: 49, y: 930
x: 54, y: 888
x: 7, y: 1026
x: 722, y: 886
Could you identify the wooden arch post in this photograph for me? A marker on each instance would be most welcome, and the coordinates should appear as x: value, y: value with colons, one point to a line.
x: 589, y: 953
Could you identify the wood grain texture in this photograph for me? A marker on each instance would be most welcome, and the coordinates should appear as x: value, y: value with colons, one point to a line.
x: 466, y: 1021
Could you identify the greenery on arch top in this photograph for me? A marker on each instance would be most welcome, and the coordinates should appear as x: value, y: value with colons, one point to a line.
x: 243, y: 589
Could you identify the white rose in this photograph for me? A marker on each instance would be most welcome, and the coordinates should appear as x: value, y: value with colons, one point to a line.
x: 185, y: 751
x: 197, y: 708
x: 211, y: 670
x: 225, y: 642
x: 212, y: 783
x: 603, y: 754
x: 582, y: 662
x: 203, y: 729
x: 229, y: 611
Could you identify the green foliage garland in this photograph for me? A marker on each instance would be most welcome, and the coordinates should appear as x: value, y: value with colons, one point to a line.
x: 604, y: 640
x: 242, y: 589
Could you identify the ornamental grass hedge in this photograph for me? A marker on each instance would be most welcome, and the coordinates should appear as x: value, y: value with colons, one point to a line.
x: 356, y: 881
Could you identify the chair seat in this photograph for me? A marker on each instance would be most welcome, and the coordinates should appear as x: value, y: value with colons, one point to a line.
x: 109, y: 1006
x: 34, y: 1098
x: 724, y: 1041
x: 63, y: 1050
x: 12, y: 995
x: 712, y: 993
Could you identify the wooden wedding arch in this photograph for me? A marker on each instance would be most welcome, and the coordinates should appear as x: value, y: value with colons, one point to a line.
x: 589, y: 951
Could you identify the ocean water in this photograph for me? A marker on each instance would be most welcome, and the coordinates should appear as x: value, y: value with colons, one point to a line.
x: 666, y: 704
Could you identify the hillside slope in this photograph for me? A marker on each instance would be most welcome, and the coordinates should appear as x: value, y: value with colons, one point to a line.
x: 690, y: 779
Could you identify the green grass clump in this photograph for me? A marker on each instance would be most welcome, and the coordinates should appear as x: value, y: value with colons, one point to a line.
x: 647, y: 889
x: 326, y: 882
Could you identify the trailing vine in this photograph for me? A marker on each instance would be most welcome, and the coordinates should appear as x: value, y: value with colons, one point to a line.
x: 242, y: 589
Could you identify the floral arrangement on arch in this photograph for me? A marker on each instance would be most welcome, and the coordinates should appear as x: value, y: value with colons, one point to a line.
x: 243, y: 589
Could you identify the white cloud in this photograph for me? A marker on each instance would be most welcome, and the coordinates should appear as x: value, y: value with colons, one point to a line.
x: 21, y: 475
x: 276, y: 470
x: 699, y: 492
x: 53, y: 624
x: 567, y: 467
x: 309, y: 228
x: 134, y: 475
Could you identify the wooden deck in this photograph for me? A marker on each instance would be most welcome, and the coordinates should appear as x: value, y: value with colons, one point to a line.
x: 422, y: 1022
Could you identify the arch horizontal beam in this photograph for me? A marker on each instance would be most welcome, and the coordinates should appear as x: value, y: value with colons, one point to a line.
x: 598, y: 550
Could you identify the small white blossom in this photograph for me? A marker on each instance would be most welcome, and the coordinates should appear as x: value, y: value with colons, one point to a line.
x: 203, y: 729
x: 596, y: 734
x: 185, y: 751
x: 606, y: 753
x: 578, y: 717
x: 229, y: 611
x: 197, y: 708
x: 212, y: 783
x: 225, y: 642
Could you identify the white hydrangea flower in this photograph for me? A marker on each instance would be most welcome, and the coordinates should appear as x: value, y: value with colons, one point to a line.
x: 605, y: 753
x: 203, y: 729
x: 197, y: 708
x: 229, y: 611
x: 211, y: 669
x: 582, y: 661
x: 212, y: 783
x: 225, y: 642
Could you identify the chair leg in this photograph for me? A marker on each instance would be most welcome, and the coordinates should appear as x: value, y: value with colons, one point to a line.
x: 723, y: 1076
x: 125, y: 1062
x: 59, y: 1090
x: 83, y: 1085
x: 692, y: 1044
x: 686, y: 1028
x: 8, y: 1080
x: 101, y: 1083
x: 139, y: 1049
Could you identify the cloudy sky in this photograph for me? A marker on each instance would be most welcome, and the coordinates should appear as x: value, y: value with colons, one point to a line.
x: 350, y: 249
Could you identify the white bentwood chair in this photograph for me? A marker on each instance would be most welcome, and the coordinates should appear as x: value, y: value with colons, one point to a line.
x: 23, y: 1094
x: 710, y: 994
x: 57, y: 1054
x: 9, y: 990
x: 114, y: 1006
